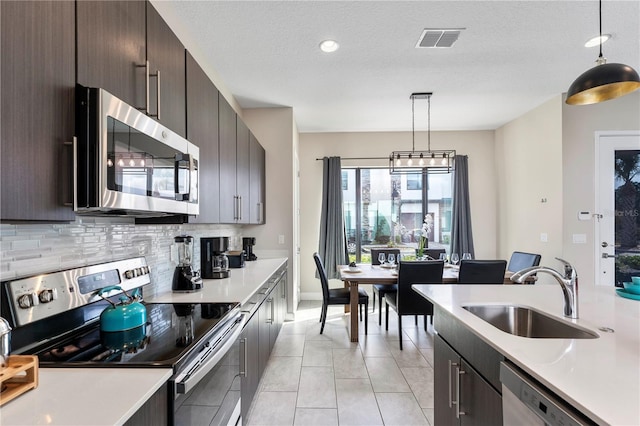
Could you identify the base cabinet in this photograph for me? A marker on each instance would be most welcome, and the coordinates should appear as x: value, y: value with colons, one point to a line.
x: 154, y: 411
x: 461, y: 395
x: 259, y: 335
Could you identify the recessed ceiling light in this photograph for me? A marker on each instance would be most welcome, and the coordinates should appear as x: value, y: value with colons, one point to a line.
x: 329, y: 46
x: 596, y: 41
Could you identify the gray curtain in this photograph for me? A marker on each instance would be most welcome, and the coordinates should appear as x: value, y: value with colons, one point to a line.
x: 461, y: 235
x: 333, y: 240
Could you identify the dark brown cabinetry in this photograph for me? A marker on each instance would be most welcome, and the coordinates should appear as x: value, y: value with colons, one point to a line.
x: 260, y: 333
x: 37, y: 84
x: 466, y: 376
x: 242, y: 171
x: 202, y: 130
x: 227, y: 123
x: 166, y: 56
x: 256, y: 181
x: 112, y: 47
x: 115, y: 41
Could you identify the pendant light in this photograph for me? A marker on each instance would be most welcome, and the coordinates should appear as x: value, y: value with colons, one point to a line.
x: 603, y: 82
x: 429, y: 161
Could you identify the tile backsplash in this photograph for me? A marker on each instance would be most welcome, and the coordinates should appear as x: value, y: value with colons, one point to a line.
x: 29, y: 249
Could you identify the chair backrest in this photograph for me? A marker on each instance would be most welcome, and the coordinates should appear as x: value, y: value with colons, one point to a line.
x: 434, y: 253
x: 323, y: 276
x: 416, y: 272
x: 386, y: 251
x: 520, y: 260
x: 482, y: 271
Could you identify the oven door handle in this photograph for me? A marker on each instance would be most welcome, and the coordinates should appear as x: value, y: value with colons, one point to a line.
x: 187, y: 381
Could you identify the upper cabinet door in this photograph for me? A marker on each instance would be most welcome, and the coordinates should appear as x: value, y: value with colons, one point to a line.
x: 166, y: 56
x: 202, y: 130
x: 228, y: 195
x: 242, y: 171
x: 111, y: 48
x: 257, y: 181
x: 37, y: 84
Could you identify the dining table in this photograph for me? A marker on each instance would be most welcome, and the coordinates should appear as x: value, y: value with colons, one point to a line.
x: 365, y: 273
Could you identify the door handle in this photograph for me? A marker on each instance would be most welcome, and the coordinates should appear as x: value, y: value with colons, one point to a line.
x: 243, y: 354
x: 609, y: 256
x: 459, y: 372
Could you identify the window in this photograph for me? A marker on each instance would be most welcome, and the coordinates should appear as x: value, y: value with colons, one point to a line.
x: 379, y: 213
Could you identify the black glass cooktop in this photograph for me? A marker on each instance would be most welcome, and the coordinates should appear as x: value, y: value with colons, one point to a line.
x: 172, y: 330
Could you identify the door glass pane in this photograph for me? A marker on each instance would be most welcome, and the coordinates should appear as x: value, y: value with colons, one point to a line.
x: 439, y: 208
x: 627, y: 215
x: 349, y: 210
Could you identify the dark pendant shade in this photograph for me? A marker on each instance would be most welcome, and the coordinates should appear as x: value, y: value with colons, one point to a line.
x: 601, y: 83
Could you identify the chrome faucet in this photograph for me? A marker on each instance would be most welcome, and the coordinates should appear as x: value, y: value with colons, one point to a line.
x: 568, y: 283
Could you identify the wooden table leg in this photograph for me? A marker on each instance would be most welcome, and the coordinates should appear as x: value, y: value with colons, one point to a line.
x: 347, y: 308
x: 353, y: 287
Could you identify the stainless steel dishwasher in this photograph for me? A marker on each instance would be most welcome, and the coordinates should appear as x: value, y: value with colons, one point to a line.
x: 525, y: 402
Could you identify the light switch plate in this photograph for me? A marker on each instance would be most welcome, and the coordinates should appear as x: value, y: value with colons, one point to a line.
x: 579, y: 238
x: 544, y: 237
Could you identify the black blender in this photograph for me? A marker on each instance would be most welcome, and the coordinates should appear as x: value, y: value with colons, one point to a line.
x: 185, y: 279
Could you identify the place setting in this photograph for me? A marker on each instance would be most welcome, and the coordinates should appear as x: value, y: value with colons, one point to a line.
x: 631, y: 289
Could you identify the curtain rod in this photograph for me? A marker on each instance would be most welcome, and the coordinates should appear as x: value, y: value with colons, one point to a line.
x: 357, y: 158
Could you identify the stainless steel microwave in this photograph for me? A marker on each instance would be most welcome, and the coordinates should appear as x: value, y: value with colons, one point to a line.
x: 128, y: 164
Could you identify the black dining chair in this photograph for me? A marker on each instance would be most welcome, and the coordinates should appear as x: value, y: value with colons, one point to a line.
x: 382, y: 289
x: 482, y: 271
x: 520, y: 260
x: 406, y: 301
x: 434, y: 253
x: 338, y: 296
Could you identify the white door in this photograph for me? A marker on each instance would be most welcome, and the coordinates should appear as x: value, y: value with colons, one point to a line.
x: 617, y: 232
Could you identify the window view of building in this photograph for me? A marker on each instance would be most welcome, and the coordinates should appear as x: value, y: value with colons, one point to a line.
x: 383, y: 210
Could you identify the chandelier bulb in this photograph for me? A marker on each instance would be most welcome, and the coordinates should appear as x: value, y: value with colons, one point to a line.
x: 409, y: 161
x: 444, y: 160
x: 132, y: 162
x: 142, y: 163
x: 121, y: 162
x: 421, y: 162
x: 109, y: 163
x: 398, y: 162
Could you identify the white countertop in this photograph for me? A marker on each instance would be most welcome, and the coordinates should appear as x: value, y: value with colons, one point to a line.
x: 109, y: 396
x: 84, y: 396
x: 241, y: 284
x: 600, y: 377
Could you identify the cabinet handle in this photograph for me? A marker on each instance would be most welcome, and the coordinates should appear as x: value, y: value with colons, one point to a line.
x: 74, y: 183
x: 270, y: 320
x: 243, y: 354
x: 451, y: 364
x: 157, y: 75
x: 459, y: 373
x: 239, y: 207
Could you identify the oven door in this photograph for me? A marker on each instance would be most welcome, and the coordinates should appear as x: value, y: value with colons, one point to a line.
x: 207, y: 389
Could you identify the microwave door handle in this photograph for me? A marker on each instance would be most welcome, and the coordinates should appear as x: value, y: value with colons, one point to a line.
x: 181, y: 158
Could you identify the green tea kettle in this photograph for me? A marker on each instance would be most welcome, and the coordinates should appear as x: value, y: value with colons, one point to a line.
x: 128, y: 314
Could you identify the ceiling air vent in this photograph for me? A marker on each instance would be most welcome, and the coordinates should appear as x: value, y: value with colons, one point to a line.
x: 434, y: 37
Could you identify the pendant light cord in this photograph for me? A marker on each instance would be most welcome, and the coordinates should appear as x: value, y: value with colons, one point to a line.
x: 413, y: 123
x: 600, y: 15
x: 429, y: 123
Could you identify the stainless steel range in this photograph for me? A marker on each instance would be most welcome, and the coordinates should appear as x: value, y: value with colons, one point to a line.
x: 57, y: 316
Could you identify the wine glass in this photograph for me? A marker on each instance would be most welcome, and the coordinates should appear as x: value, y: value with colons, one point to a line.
x: 455, y: 258
x: 381, y: 258
x: 443, y: 257
x: 466, y: 256
x: 392, y: 258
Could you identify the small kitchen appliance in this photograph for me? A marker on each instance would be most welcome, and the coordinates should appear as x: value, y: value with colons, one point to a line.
x: 214, y: 261
x: 185, y: 279
x: 247, y: 246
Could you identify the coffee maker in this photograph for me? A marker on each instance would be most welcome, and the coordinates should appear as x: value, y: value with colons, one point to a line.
x: 247, y: 246
x: 213, y: 260
x: 185, y: 279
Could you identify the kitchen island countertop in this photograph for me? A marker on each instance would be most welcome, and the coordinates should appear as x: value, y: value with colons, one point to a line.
x: 109, y: 396
x: 600, y: 377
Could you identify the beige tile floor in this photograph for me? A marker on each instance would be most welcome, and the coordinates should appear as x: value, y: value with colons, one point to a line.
x: 324, y: 379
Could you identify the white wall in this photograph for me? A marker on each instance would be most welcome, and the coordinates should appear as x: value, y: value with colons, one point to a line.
x: 530, y: 199
x: 482, y: 181
x: 579, y: 124
x: 276, y: 131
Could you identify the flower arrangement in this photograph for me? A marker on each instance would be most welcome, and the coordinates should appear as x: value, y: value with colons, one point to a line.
x: 427, y: 226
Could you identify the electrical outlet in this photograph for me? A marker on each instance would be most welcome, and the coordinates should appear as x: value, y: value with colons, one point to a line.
x: 544, y: 237
x: 280, y: 239
x: 579, y: 238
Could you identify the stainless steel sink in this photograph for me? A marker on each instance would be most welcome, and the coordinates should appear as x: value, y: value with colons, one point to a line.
x: 528, y: 322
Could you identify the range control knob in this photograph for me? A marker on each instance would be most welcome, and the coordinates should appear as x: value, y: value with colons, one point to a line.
x: 129, y: 274
x: 28, y: 300
x: 47, y: 295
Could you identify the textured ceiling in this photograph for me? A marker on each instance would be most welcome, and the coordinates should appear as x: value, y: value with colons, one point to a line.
x: 512, y: 56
